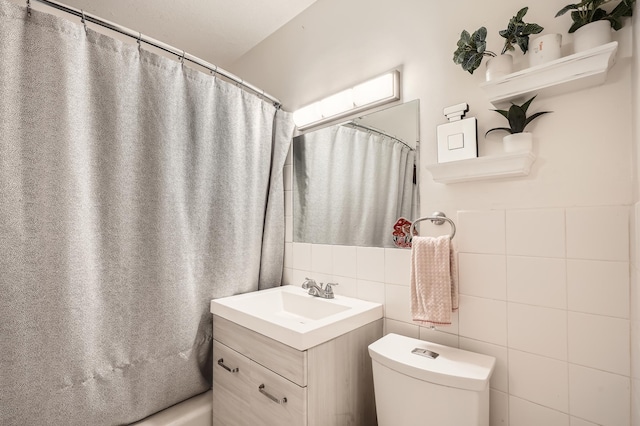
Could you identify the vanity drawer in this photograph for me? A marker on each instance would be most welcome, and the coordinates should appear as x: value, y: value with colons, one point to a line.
x: 276, y: 401
x: 230, y: 388
x: 284, y: 360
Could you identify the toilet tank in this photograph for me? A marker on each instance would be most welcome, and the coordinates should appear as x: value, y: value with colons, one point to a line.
x: 414, y: 387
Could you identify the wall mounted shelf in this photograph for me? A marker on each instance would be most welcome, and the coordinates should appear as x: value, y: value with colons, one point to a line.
x: 567, y: 74
x: 482, y: 168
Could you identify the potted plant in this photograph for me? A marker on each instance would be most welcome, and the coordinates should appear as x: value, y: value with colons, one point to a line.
x: 517, y: 139
x: 518, y: 32
x: 472, y: 48
x: 592, y: 24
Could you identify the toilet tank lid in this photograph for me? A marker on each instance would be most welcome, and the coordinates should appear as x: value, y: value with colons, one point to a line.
x: 453, y: 367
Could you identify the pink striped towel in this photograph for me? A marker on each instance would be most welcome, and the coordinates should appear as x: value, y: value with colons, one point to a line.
x: 434, y: 280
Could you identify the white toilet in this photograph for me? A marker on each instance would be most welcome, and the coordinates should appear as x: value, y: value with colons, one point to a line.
x: 419, y: 383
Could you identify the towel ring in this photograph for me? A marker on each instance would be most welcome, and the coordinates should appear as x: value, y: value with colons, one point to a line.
x: 437, y: 218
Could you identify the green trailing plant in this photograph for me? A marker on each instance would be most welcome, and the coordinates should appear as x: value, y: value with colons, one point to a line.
x: 518, y: 32
x: 588, y: 11
x: 472, y: 48
x: 517, y: 117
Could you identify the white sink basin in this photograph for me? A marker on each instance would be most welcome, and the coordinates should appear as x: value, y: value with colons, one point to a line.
x: 291, y: 316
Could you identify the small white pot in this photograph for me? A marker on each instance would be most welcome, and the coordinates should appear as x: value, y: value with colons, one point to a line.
x: 544, y: 49
x: 499, y: 66
x: 591, y: 35
x: 518, y: 142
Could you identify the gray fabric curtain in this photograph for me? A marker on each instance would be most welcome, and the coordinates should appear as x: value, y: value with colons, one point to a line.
x: 350, y: 186
x: 132, y: 191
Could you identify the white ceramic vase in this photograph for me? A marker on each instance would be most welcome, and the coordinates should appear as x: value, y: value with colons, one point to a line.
x: 499, y: 66
x: 544, y: 49
x: 518, y: 142
x: 591, y: 35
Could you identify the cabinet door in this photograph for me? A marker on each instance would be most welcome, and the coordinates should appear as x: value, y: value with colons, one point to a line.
x: 278, y: 357
x: 231, y: 387
x: 276, y: 401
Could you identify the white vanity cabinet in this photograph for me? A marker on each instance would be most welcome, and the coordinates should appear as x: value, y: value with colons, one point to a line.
x: 260, y: 381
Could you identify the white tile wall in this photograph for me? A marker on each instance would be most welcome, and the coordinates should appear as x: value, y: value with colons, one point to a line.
x: 635, y: 402
x: 589, y: 238
x: 539, y: 379
x: 439, y: 337
x: 599, y: 342
x: 288, y: 255
x: 344, y: 261
x: 575, y: 421
x: 536, y: 233
x: 481, y: 232
x: 346, y: 286
x: 370, y: 263
x: 635, y: 316
x: 402, y: 328
x: 397, y: 266
x: 598, y: 396
x: 525, y: 413
x: 397, y: 302
x: 597, y: 287
x: 483, y: 275
x: 498, y: 408
x: 483, y: 319
x: 537, y: 280
x: 322, y: 259
x: 544, y: 291
x: 370, y: 290
x: 288, y: 229
x: 288, y: 206
x: 538, y: 330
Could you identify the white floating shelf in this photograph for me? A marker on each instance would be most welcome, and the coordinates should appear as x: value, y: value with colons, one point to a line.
x: 574, y: 72
x: 481, y: 168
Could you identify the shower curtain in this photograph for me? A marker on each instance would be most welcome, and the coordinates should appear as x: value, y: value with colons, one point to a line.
x: 133, y: 190
x: 350, y: 186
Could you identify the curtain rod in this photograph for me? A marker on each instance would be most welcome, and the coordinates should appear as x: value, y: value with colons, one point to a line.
x: 380, y: 132
x: 153, y: 42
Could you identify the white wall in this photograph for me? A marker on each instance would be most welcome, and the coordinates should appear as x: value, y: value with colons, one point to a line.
x: 335, y: 44
x: 635, y: 242
x: 544, y: 259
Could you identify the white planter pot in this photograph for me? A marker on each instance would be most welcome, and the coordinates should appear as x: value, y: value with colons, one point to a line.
x: 499, y: 66
x: 544, y: 49
x: 591, y: 35
x: 518, y: 142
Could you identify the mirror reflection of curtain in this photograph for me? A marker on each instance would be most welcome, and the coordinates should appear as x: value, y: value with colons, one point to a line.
x: 362, y: 180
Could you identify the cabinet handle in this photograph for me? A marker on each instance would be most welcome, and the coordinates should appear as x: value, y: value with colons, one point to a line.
x: 230, y: 370
x: 271, y: 397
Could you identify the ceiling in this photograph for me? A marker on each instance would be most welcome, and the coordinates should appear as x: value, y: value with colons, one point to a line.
x: 218, y: 31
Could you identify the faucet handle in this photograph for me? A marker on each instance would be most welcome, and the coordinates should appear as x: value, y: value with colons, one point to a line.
x: 307, y: 282
x: 329, y: 288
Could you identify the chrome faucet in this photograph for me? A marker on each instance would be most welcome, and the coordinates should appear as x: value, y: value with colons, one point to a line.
x: 317, y: 290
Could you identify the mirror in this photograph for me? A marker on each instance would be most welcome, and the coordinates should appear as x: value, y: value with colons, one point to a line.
x: 353, y: 181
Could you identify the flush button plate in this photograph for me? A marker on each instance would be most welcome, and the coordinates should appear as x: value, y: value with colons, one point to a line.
x: 425, y: 353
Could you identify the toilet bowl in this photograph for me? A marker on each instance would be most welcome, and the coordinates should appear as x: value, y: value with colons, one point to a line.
x: 420, y: 383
